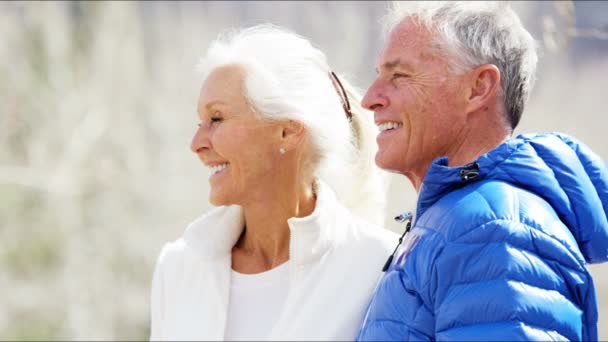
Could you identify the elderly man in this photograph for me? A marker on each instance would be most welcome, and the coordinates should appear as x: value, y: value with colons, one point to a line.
x: 504, y: 226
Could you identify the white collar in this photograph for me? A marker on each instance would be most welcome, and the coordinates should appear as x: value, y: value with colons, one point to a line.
x: 215, y: 233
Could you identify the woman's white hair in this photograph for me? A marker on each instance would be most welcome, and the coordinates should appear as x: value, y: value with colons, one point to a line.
x: 287, y: 78
x: 473, y: 33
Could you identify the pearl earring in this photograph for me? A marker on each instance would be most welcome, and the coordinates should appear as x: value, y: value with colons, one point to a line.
x: 282, y: 150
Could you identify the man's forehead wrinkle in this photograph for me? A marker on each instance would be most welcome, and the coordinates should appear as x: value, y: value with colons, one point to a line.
x: 411, y: 35
x: 415, y: 49
x: 408, y: 44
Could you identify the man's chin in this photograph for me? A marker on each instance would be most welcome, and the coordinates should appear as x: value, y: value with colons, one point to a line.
x: 387, y: 164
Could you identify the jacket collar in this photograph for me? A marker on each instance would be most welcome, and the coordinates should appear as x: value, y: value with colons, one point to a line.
x: 215, y: 233
x: 441, y: 179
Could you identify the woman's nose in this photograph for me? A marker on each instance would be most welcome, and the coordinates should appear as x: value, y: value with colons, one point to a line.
x: 200, y: 140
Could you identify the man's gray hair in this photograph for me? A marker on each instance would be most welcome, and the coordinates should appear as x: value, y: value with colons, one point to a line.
x: 473, y: 33
x: 287, y: 78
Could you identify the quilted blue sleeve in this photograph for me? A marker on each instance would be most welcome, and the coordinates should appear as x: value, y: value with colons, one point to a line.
x: 595, y: 246
x: 508, y: 281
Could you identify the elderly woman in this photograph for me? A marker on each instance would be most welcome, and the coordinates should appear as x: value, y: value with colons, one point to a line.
x: 286, y: 254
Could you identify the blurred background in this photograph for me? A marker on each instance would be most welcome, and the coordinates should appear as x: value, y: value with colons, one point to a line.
x: 97, y: 108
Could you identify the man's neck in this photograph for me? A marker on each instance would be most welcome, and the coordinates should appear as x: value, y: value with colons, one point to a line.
x: 474, y: 146
x: 478, y: 138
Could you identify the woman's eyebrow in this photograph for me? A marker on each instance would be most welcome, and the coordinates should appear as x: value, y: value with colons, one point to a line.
x: 214, y: 103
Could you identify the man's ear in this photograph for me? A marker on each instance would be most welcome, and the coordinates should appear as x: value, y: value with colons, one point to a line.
x: 484, y: 87
x: 292, y: 134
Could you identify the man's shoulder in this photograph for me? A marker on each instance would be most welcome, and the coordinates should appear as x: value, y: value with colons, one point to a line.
x: 486, y: 202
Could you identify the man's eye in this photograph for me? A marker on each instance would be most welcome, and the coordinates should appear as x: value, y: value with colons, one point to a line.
x: 399, y: 75
x: 216, y: 119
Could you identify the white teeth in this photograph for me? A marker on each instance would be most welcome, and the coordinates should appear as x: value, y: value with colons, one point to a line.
x: 218, y: 168
x: 385, y: 126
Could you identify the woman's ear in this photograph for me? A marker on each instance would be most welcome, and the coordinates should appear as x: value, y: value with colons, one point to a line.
x: 484, y: 86
x: 292, y: 134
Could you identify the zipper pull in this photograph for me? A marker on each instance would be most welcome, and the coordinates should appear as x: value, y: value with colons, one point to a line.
x: 469, y: 172
x: 401, y: 218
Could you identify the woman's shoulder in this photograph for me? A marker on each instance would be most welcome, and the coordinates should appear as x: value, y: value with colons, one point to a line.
x: 358, y: 225
x: 361, y: 243
x: 171, y: 252
x: 363, y: 232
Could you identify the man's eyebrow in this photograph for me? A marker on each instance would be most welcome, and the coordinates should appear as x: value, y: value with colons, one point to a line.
x: 390, y: 65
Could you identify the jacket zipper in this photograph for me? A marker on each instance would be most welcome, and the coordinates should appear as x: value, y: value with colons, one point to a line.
x: 403, y: 217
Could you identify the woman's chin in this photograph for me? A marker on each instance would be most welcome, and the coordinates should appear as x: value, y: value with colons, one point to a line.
x: 216, y: 199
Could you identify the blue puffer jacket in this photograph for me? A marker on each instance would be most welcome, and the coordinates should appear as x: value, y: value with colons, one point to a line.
x: 502, y: 255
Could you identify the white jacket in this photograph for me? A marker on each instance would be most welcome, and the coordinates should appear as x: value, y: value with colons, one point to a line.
x: 336, y: 261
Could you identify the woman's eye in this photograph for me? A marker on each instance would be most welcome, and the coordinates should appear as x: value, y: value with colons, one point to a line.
x: 216, y: 116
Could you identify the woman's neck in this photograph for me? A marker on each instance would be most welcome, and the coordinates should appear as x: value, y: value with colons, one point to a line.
x: 264, y: 243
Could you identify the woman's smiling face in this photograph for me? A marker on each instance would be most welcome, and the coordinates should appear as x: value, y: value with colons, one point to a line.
x: 241, y: 148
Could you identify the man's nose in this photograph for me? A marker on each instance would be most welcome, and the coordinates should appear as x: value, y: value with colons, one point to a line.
x: 200, y: 140
x: 374, y: 99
